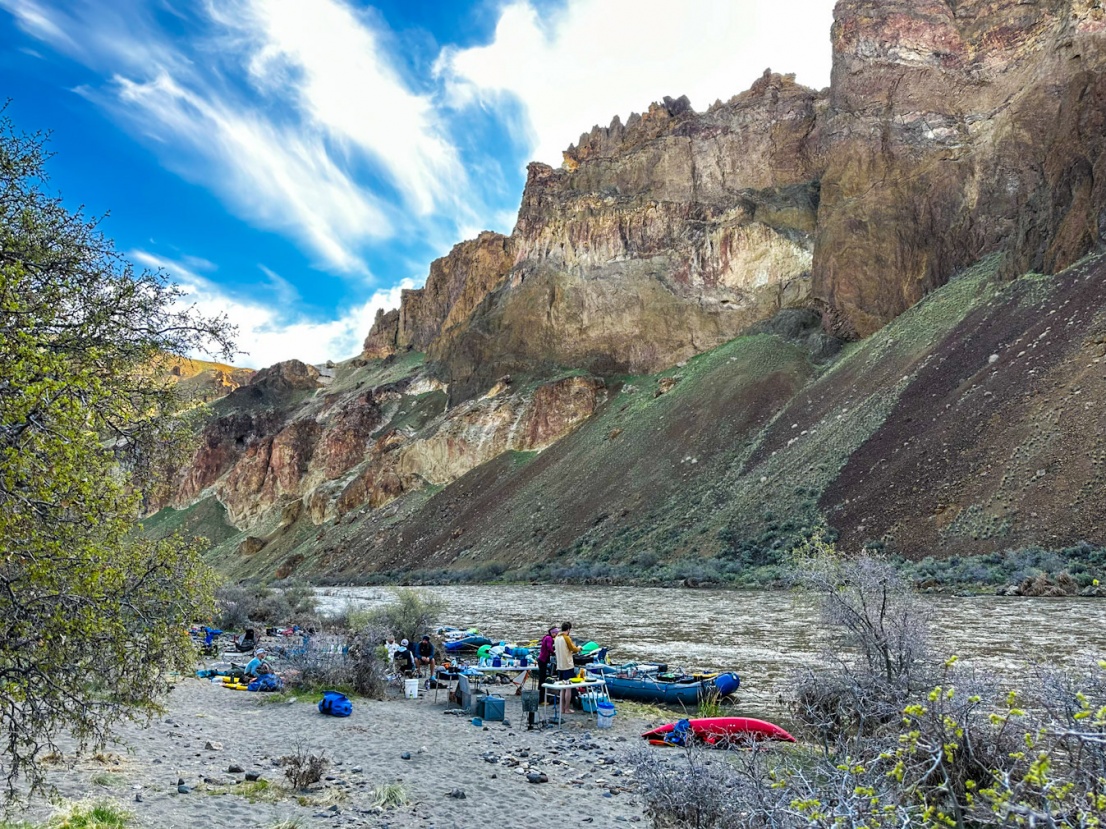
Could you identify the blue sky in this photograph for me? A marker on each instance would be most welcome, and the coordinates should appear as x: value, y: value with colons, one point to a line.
x: 295, y: 163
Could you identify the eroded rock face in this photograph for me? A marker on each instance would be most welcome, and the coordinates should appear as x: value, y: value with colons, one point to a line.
x: 222, y: 443
x: 269, y: 472
x: 469, y: 435
x: 655, y: 241
x: 381, y: 340
x: 322, y: 456
x: 955, y: 130
x: 456, y: 284
x: 949, y: 131
x: 289, y: 376
x: 345, y: 437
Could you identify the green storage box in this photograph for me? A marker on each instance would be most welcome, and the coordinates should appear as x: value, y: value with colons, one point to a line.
x: 491, y: 708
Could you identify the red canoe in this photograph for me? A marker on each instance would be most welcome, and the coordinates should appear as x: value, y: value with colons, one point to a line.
x: 713, y: 730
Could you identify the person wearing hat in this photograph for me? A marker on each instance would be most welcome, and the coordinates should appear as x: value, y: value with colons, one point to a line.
x: 258, y: 665
x: 424, y: 655
x: 405, y: 659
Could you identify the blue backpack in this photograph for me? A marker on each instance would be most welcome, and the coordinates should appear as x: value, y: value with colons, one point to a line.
x: 335, y: 704
x: 680, y: 734
x: 266, y: 682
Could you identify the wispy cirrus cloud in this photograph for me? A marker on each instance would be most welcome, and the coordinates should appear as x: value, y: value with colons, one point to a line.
x: 346, y: 84
x: 292, y: 113
x: 279, y: 178
x: 271, y: 333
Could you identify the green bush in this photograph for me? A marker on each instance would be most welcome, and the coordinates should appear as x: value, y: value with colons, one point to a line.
x: 412, y: 614
x: 239, y: 606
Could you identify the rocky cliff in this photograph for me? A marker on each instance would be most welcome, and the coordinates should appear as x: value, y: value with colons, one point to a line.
x: 950, y: 131
x: 954, y: 130
x: 645, y: 368
x: 655, y: 241
x: 972, y: 424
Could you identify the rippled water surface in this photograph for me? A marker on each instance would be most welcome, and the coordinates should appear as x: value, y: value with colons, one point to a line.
x: 761, y: 635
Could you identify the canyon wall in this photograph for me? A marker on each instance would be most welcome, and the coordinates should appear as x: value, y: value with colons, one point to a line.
x: 954, y: 130
x: 950, y: 132
x: 655, y: 241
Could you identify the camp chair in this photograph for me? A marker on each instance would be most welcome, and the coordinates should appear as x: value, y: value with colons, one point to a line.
x: 246, y: 642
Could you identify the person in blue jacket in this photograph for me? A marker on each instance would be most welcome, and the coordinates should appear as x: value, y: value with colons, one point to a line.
x: 258, y: 665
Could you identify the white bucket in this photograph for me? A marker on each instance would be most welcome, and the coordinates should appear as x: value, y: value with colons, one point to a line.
x: 606, y: 715
x: 411, y: 688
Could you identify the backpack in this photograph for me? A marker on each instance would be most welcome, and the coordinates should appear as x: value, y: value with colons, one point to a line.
x: 335, y: 704
x: 680, y: 733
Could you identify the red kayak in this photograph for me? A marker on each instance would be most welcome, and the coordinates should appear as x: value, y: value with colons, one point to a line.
x: 713, y: 730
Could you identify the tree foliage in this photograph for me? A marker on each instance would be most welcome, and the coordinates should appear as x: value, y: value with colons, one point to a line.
x: 412, y: 614
x: 93, y: 618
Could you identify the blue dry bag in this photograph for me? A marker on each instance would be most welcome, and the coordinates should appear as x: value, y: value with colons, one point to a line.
x: 266, y: 682
x: 680, y: 733
x: 335, y: 704
x: 727, y: 683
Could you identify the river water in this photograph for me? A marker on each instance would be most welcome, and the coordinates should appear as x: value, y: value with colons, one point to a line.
x: 764, y: 636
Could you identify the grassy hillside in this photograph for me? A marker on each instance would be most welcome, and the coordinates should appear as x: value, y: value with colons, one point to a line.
x: 969, y: 425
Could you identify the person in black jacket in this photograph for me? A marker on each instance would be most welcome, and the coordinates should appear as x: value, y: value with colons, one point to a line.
x: 424, y: 655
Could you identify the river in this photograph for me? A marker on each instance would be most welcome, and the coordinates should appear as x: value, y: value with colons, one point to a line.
x: 763, y: 635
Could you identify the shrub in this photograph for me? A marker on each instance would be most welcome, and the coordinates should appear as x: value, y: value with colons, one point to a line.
x: 410, y: 616
x: 302, y: 768
x: 906, y: 740
x: 239, y: 606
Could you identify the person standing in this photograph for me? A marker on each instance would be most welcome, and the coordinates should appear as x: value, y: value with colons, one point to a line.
x: 545, y: 656
x: 564, y: 647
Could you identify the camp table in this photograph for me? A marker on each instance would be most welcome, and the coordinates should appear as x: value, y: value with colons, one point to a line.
x: 523, y: 671
x: 596, y: 683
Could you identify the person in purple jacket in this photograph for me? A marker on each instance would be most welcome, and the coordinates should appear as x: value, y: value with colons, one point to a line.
x: 545, y: 656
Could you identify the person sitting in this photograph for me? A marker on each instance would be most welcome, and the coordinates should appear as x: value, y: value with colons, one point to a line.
x: 424, y: 656
x: 392, y: 647
x: 405, y: 659
x: 259, y: 665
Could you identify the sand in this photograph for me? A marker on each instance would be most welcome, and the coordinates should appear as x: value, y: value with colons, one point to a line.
x: 209, y: 729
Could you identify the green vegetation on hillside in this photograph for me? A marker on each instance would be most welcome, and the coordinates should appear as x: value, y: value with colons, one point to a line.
x: 708, y: 472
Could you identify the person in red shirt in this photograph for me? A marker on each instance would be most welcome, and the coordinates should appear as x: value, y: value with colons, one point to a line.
x: 545, y: 655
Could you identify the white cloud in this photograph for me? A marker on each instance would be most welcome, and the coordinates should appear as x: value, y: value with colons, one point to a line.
x: 280, y: 178
x: 347, y: 85
x: 593, y: 59
x: 267, y: 334
x: 284, y: 109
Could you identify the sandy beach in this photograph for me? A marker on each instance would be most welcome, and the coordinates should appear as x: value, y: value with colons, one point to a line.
x: 433, y: 756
